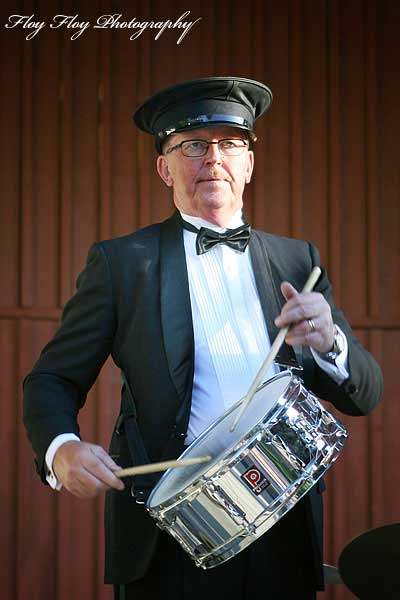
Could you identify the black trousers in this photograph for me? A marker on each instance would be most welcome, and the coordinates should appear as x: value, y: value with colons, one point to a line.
x: 268, y: 569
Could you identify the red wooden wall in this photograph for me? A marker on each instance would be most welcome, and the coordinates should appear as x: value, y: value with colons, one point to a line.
x: 74, y: 170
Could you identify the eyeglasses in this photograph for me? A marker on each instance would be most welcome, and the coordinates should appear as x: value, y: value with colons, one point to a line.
x: 197, y: 148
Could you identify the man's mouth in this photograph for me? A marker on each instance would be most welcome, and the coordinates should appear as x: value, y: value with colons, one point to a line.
x: 211, y: 179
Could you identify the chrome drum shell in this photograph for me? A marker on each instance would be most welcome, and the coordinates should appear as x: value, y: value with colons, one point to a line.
x: 284, y: 443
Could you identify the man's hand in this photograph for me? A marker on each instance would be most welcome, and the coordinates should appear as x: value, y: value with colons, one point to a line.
x: 310, y: 318
x: 85, y: 469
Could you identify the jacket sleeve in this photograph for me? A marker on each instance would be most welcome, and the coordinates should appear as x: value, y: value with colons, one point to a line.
x: 361, y: 392
x: 56, y: 388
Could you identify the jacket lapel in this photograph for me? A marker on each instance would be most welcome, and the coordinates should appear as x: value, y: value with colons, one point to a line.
x: 176, y: 314
x: 271, y: 299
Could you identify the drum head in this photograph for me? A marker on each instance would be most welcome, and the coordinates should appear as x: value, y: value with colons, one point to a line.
x: 218, y: 441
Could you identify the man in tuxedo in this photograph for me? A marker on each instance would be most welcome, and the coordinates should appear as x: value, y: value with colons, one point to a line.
x: 188, y: 309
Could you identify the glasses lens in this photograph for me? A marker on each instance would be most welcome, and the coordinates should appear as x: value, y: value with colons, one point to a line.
x: 231, y: 147
x: 194, y: 148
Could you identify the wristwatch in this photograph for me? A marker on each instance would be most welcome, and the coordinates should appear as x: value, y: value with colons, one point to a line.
x: 337, y: 348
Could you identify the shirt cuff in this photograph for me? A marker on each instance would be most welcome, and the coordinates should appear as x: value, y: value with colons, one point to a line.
x: 50, y: 454
x: 338, y: 371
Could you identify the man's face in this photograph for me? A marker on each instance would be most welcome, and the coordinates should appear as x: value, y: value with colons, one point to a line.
x: 209, y: 186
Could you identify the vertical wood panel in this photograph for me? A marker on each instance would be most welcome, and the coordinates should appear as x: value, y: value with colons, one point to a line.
x: 371, y: 117
x: 313, y: 217
x: 9, y: 427
x: 353, y: 223
x: 388, y: 161
x: 377, y: 444
x: 125, y: 174
x: 76, y: 170
x: 66, y: 144
x: 166, y: 69
x: 144, y: 68
x: 10, y: 148
x: 295, y: 92
x: 85, y: 121
x: 24, y: 94
x: 45, y: 168
x: 272, y: 168
x: 333, y: 150
x: 258, y: 59
x: 36, y: 531
x: 208, y: 31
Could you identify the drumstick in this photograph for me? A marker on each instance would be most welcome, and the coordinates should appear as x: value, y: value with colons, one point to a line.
x: 280, y: 338
x: 160, y: 466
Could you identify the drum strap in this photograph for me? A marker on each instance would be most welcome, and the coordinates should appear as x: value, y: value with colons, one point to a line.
x: 141, y: 485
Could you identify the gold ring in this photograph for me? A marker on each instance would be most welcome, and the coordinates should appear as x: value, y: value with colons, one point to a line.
x: 311, y: 325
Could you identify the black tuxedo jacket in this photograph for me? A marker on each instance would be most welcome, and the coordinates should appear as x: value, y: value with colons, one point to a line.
x: 132, y: 302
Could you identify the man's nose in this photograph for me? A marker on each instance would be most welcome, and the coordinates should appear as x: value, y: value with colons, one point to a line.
x: 213, y: 154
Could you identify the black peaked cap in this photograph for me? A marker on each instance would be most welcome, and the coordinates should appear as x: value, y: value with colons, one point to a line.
x: 209, y: 102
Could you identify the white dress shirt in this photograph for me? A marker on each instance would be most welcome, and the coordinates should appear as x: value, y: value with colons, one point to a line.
x: 230, y: 336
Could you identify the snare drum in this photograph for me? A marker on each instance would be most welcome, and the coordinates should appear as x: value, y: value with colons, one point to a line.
x: 282, y: 445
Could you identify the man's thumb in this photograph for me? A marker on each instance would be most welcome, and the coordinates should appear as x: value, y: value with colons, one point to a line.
x: 288, y: 290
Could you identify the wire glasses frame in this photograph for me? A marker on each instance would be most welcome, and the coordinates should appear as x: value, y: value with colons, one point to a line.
x: 198, y: 148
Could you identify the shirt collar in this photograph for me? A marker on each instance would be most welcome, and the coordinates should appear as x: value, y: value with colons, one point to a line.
x: 235, y: 221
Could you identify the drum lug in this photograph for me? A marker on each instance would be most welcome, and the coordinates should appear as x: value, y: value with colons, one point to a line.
x: 251, y: 529
x: 217, y: 492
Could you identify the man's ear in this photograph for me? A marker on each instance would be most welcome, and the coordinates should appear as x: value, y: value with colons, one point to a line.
x: 163, y: 170
x: 250, y: 165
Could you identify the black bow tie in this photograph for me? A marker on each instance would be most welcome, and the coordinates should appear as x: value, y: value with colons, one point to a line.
x: 208, y: 238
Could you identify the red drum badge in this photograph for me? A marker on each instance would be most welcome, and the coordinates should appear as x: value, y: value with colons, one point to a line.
x: 255, y: 480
